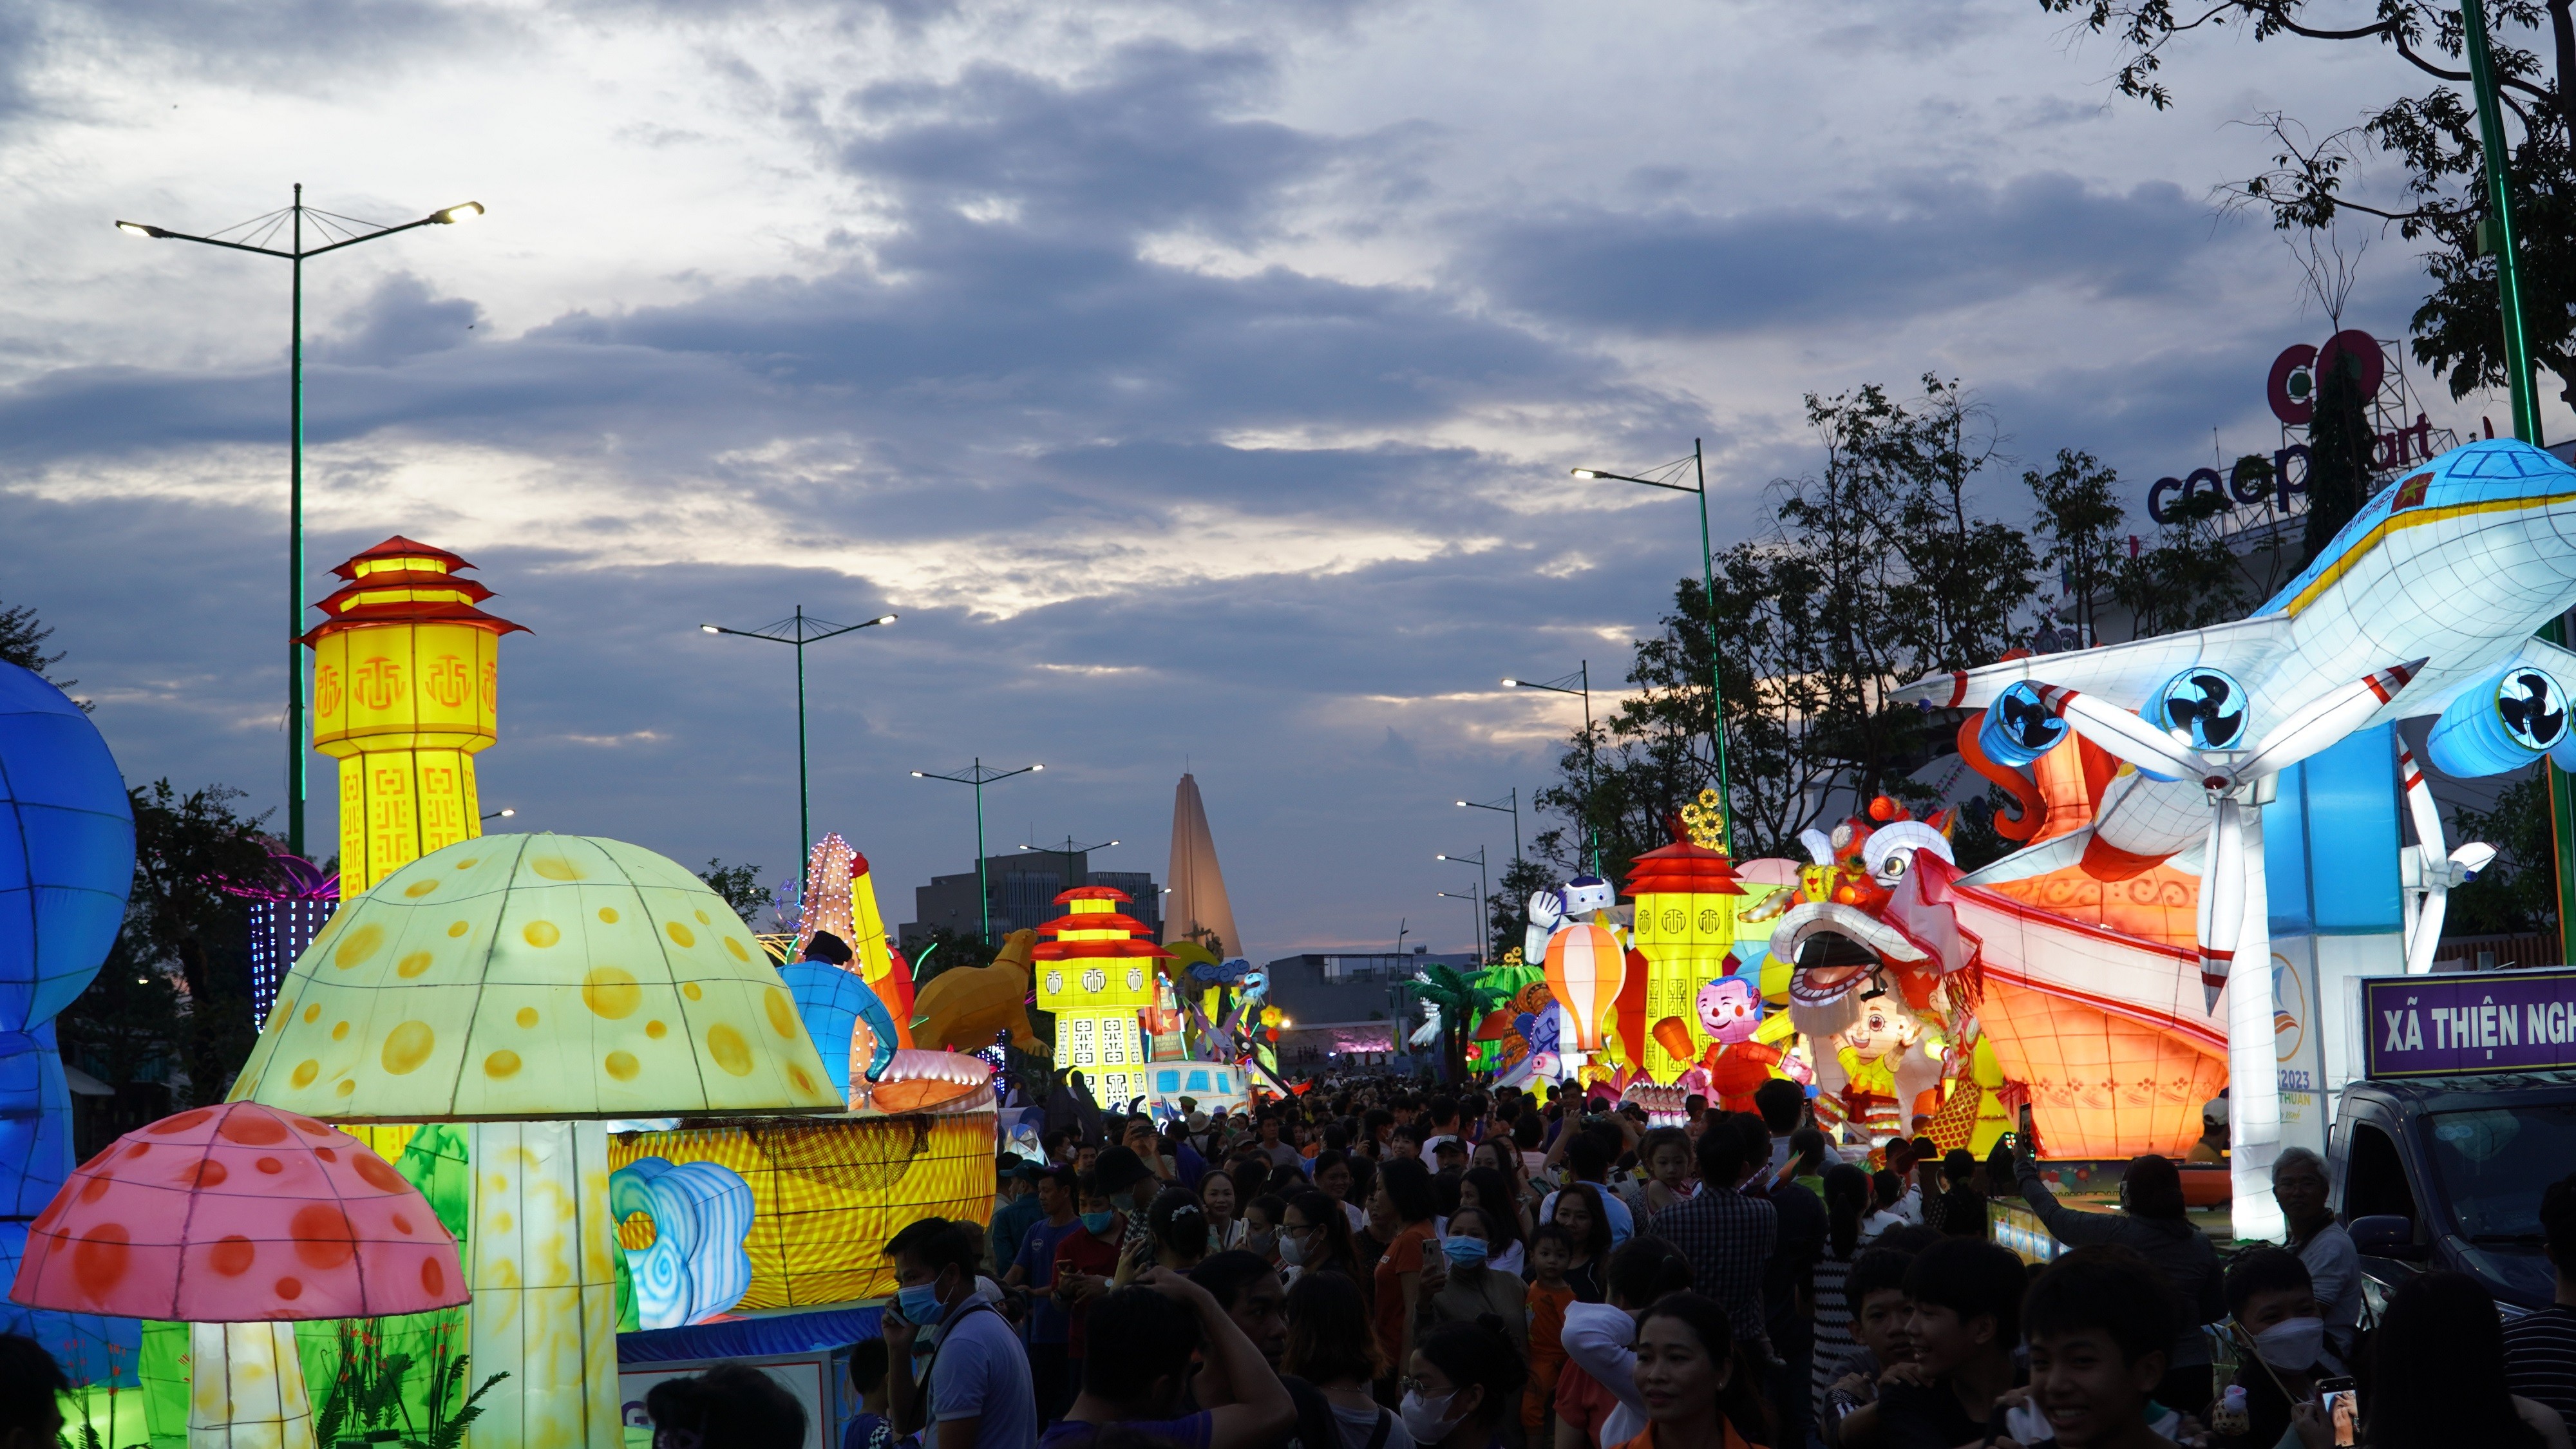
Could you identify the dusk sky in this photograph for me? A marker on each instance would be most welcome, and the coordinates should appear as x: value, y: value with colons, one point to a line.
x: 1199, y: 382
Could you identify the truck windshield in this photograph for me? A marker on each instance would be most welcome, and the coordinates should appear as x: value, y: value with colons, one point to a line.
x: 2495, y: 1162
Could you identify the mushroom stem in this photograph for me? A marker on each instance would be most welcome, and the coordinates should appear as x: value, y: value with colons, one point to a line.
x: 246, y: 1388
x: 545, y: 1287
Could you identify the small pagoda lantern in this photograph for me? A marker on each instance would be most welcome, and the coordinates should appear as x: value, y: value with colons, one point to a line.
x: 238, y: 1220
x: 1686, y: 896
x: 1098, y: 975
x: 406, y: 689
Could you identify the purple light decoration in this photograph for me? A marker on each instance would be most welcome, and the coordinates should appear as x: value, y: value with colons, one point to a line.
x: 287, y: 910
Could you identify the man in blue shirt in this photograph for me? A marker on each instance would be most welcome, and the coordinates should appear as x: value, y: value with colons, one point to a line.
x: 976, y: 1394
x: 1015, y: 1208
x: 1034, y: 1266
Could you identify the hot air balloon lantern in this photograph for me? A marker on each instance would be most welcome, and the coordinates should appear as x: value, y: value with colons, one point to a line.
x: 1584, y: 969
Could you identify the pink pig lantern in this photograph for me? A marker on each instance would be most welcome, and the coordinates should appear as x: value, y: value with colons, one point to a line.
x: 236, y: 1220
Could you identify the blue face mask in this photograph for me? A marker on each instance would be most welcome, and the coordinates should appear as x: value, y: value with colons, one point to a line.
x: 920, y: 1303
x: 1465, y: 1252
x: 1096, y: 1223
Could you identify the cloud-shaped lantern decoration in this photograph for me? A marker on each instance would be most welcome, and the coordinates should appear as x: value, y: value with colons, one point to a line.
x: 694, y: 1267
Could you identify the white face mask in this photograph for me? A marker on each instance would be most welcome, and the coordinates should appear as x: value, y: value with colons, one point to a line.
x: 1427, y: 1419
x: 1292, y: 1249
x: 2292, y: 1343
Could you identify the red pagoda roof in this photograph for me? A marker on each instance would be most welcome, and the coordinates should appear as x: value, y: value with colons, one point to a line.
x: 399, y: 593
x: 1096, y: 893
x: 1682, y: 866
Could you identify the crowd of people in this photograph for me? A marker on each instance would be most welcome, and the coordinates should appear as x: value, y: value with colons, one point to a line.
x: 1375, y: 1266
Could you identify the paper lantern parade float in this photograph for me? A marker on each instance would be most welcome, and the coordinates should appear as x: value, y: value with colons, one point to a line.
x: 239, y: 1220
x: 536, y: 986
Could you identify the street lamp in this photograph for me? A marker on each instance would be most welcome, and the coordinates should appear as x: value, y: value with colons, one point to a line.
x: 1708, y: 598
x: 1484, y: 945
x: 504, y: 813
x: 1579, y: 683
x: 797, y: 631
x: 979, y: 777
x: 1515, y: 810
x: 1474, y: 912
x: 1069, y: 852
x: 339, y: 231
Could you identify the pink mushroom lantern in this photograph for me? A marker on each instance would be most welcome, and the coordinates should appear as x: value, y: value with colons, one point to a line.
x: 237, y: 1220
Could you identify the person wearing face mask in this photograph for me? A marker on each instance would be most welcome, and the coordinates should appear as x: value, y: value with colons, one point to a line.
x: 1086, y: 1259
x: 1468, y: 1286
x: 976, y: 1393
x: 2280, y: 1335
x: 2150, y: 1224
x: 1313, y: 1237
x: 1461, y: 1384
x: 1158, y: 1323
x: 2299, y: 1186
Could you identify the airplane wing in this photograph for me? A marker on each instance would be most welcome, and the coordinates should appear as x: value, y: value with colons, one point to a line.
x: 2120, y: 672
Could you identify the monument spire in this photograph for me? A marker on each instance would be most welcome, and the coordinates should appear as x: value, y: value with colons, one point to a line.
x: 1198, y: 908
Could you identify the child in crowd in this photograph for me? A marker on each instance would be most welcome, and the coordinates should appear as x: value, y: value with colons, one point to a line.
x: 2100, y: 1323
x: 1551, y: 1248
x: 870, y: 1428
x: 1964, y: 1323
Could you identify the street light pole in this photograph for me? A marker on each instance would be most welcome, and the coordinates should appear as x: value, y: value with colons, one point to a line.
x: 979, y: 777
x: 1514, y: 808
x: 1484, y: 934
x: 1591, y: 756
x: 1708, y: 600
x: 1069, y: 852
x: 796, y: 631
x: 1474, y: 912
x: 265, y: 227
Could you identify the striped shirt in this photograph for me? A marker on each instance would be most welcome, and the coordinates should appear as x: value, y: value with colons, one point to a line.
x: 2540, y: 1358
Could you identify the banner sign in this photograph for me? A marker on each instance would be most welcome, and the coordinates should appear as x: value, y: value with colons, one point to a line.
x: 2462, y: 1025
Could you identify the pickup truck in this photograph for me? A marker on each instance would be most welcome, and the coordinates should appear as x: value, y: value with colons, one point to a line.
x: 2447, y: 1172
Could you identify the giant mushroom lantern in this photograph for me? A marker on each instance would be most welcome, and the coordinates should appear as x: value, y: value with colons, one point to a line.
x: 237, y: 1220
x: 538, y: 986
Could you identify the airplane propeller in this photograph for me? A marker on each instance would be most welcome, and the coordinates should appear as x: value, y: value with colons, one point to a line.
x: 2426, y: 873
x: 2225, y: 774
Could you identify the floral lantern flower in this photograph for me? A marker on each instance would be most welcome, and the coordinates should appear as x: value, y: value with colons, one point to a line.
x: 236, y: 1220
x: 538, y: 986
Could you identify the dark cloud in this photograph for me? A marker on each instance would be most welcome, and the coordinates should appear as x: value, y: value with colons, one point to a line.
x: 1923, y: 248
x: 399, y: 319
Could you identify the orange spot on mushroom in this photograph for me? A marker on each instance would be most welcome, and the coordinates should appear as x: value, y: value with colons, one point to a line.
x: 412, y: 965
x: 458, y: 928
x: 402, y: 1224
x: 527, y: 1016
x: 433, y: 1278
x: 252, y: 1129
x: 344, y: 1089
x: 358, y: 945
x: 407, y: 1046
x: 326, y: 1154
x: 736, y: 948
x: 679, y: 934
x: 623, y: 1066
x: 305, y: 1071
x: 656, y: 1030
x: 501, y: 1064
x: 173, y: 1126
x: 690, y: 990
x: 339, y: 1031
x: 704, y: 919
x: 611, y: 992
x: 270, y: 1166
x: 310, y: 1128
x: 608, y: 915
x: 782, y: 1012
x: 137, y: 1150
x: 313, y: 1013
x: 469, y: 862
x: 232, y: 1255
x: 208, y: 1173
x: 290, y: 1289
x: 540, y: 933
x: 729, y: 1049
x: 100, y: 1259
x: 96, y: 1188
x: 322, y: 1236
x: 421, y: 887
x: 796, y: 1074
x: 555, y: 867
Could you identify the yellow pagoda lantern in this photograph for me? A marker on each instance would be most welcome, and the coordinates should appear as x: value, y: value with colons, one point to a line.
x: 1686, y: 896
x: 1097, y: 976
x: 406, y: 688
